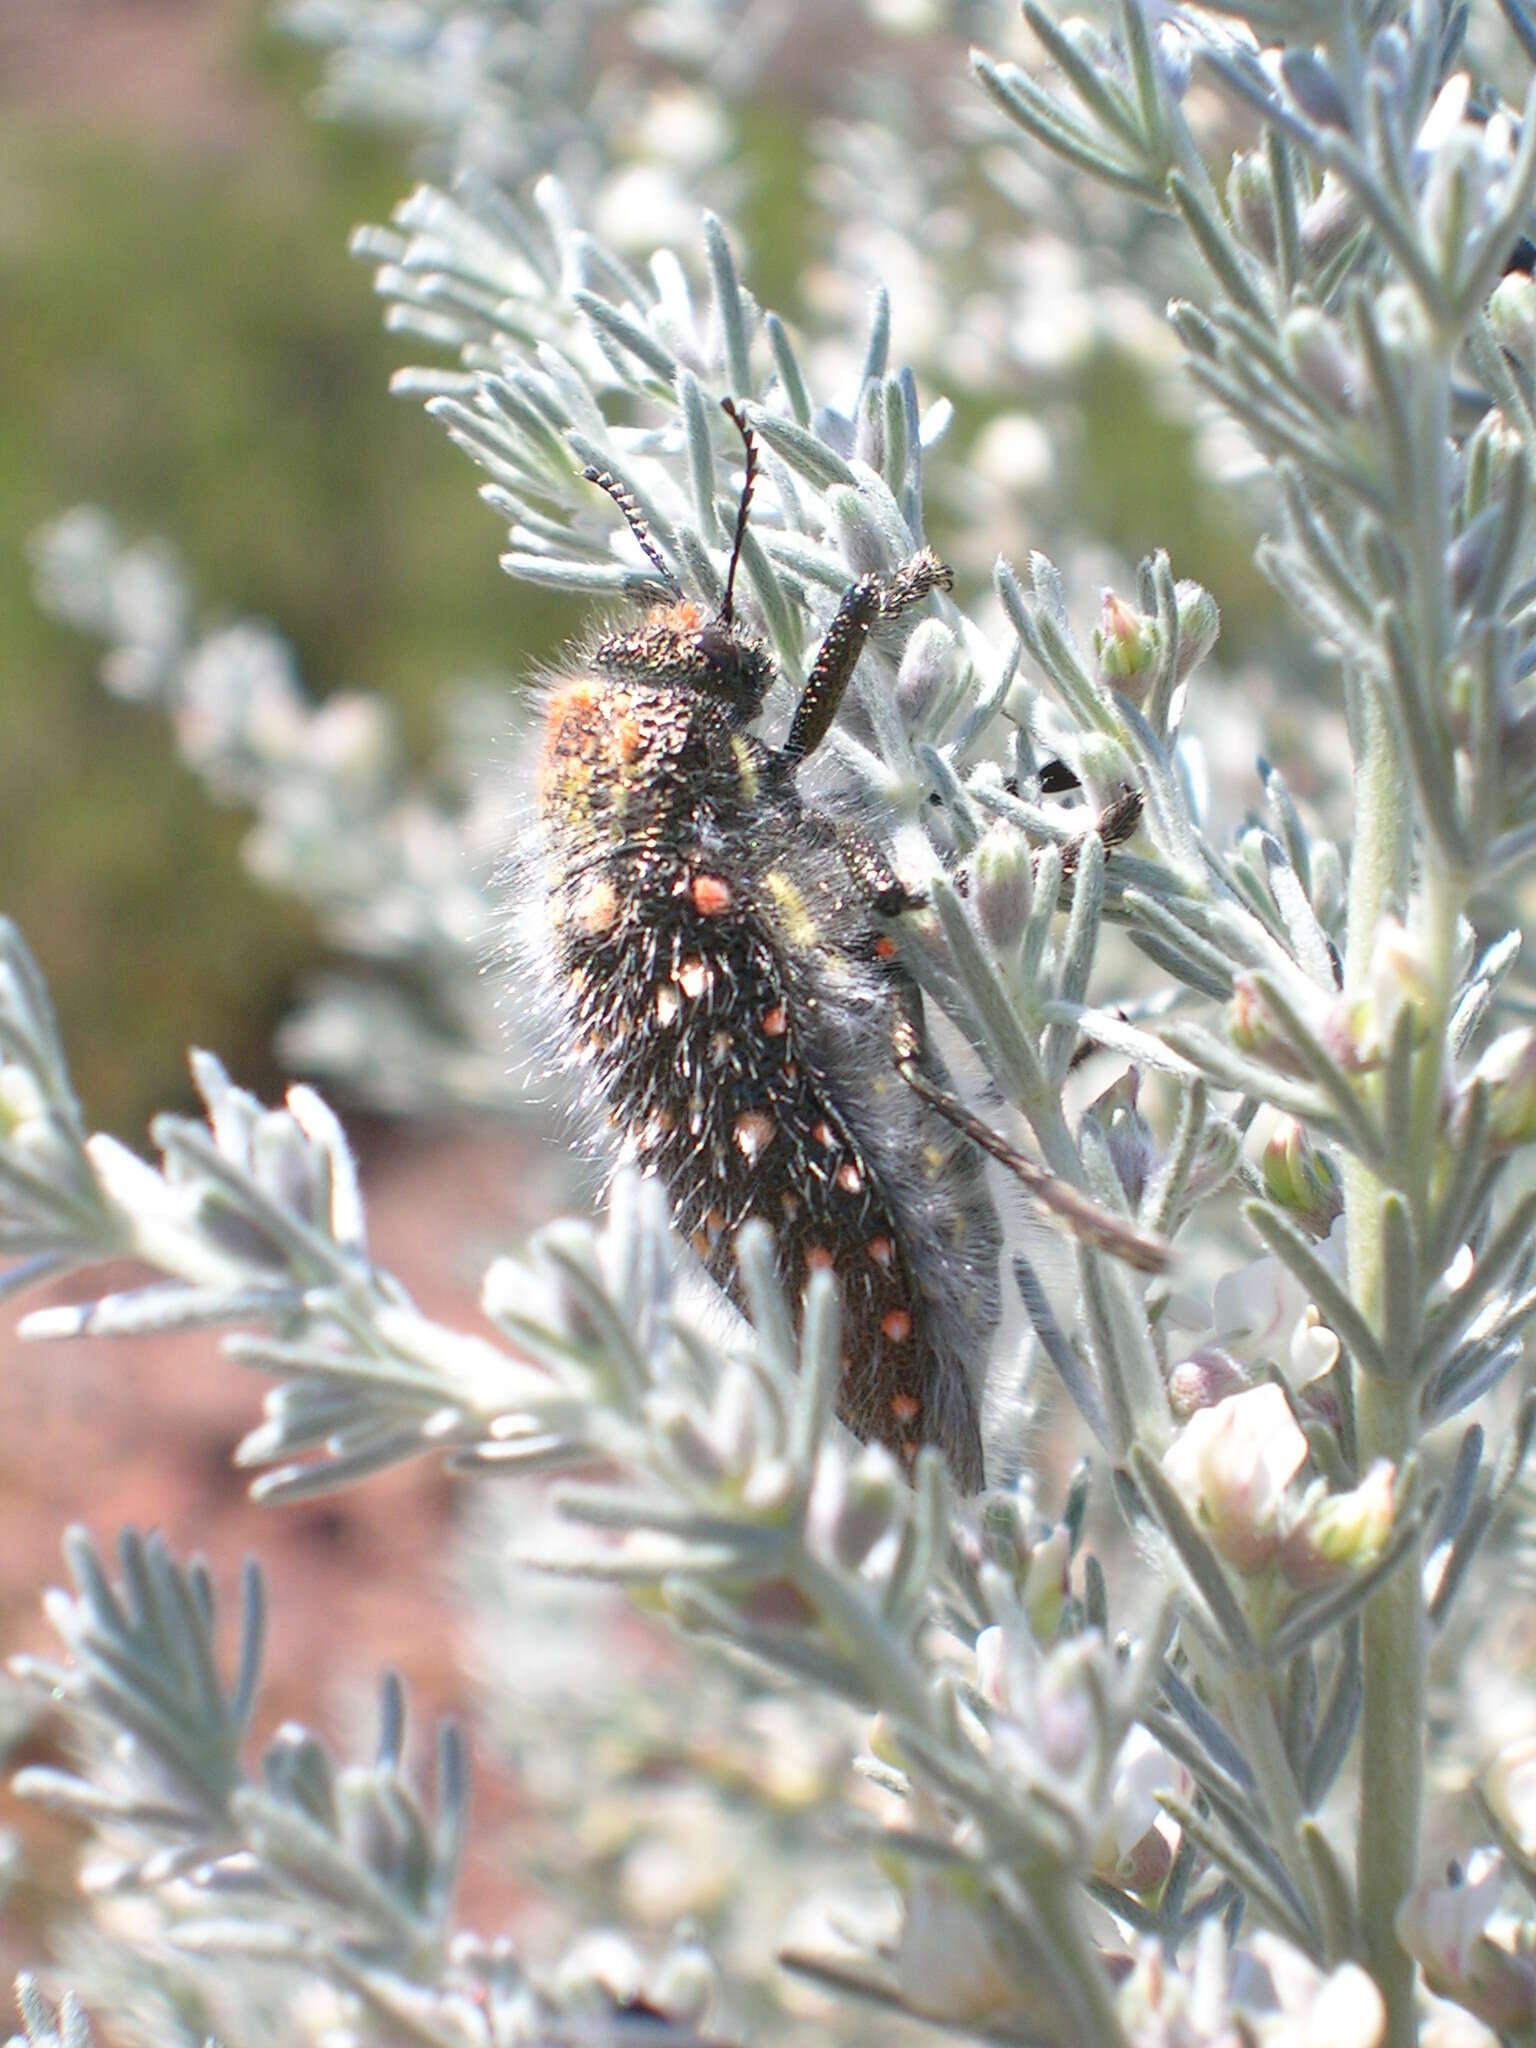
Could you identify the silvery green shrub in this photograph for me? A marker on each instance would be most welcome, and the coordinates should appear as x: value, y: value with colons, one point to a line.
x: 1225, y: 1736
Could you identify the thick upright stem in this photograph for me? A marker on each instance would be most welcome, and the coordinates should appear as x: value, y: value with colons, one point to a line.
x: 1392, y: 1728
x: 1391, y: 1783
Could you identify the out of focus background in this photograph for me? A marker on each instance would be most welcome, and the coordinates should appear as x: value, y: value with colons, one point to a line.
x: 185, y: 342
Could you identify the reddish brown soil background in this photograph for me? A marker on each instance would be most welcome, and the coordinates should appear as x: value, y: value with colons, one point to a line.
x: 141, y: 1432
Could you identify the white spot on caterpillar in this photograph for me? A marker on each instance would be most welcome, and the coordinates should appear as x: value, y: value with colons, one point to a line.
x: 754, y: 1133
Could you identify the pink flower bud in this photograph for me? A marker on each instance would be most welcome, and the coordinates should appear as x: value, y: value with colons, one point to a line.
x: 1125, y: 644
x: 1447, y: 1927
x: 1207, y: 1376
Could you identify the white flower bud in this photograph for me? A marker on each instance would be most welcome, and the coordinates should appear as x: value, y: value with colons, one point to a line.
x: 1201, y: 1380
x: 858, y: 531
x: 1002, y: 885
x: 853, y: 1504
x: 685, y: 1986
x: 927, y: 671
x: 1232, y: 1464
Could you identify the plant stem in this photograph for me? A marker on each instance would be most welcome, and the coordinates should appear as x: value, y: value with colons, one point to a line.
x: 1392, y: 1765
x: 1392, y: 1728
x: 1080, y: 1976
x: 1253, y: 1713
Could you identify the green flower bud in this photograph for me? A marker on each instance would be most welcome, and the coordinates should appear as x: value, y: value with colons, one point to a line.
x: 1199, y: 625
x: 21, y: 1100
x: 1494, y: 445
x: 1321, y: 361
x: 1251, y: 202
x: 1508, y: 1070
x: 1045, y: 1584
x: 1327, y: 865
x: 1105, y: 769
x: 864, y: 546
x: 1329, y: 220
x: 1302, y: 1179
x: 1251, y: 1029
x: 1337, y: 1533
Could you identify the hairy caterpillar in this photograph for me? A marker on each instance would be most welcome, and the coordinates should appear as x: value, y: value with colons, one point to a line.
x: 724, y: 970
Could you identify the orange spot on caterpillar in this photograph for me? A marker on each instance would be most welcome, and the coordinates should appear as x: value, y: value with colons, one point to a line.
x: 711, y: 895
x: 822, y: 1133
x: 819, y: 1259
x: 849, y: 1178
x: 881, y: 1250
x: 570, y: 701
x: 905, y: 1408
x: 775, y: 1022
x: 675, y: 618
x: 885, y: 949
x: 897, y: 1326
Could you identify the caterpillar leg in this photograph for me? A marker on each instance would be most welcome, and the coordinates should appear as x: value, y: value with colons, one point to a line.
x: 1082, y: 1216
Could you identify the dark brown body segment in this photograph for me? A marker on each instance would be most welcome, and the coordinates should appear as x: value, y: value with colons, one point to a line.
x: 730, y: 991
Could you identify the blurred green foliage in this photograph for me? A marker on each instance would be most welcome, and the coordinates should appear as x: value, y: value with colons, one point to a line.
x: 186, y: 344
